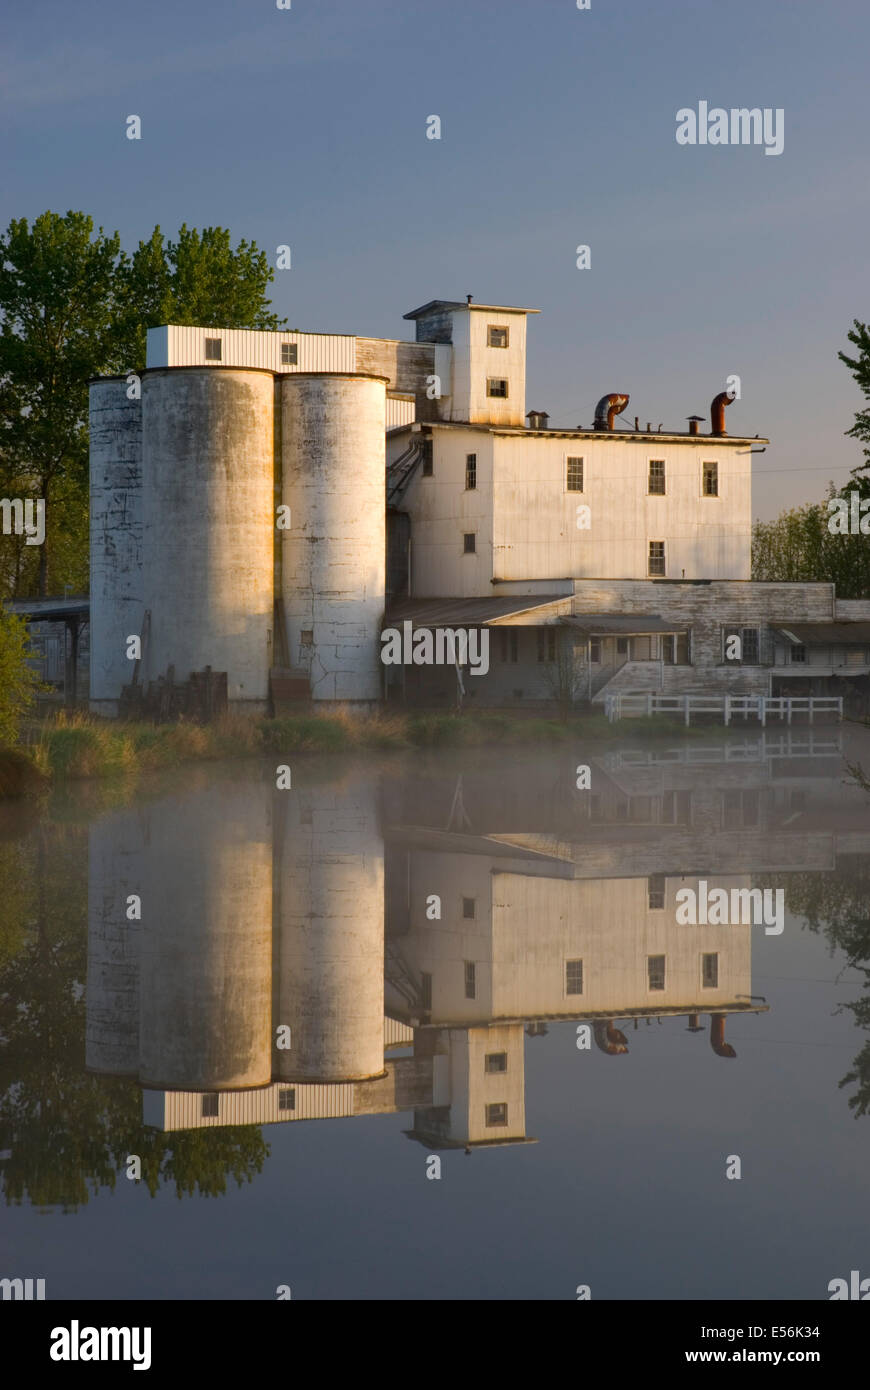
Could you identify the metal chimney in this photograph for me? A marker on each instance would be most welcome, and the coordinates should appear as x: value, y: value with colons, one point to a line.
x: 717, y: 412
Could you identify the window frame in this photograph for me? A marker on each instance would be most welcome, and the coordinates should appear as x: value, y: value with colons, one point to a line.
x: 705, y: 464
x: 575, y: 459
x: 471, y: 472
x: 497, y: 328
x: 470, y: 972
x: 569, y: 992
x: 492, y: 381
x: 466, y: 537
x: 714, y: 982
x: 492, y: 1057
x: 663, y: 490
x: 490, y: 1108
x: 293, y: 359
x: 210, y: 354
x: 663, y: 559
x: 655, y: 988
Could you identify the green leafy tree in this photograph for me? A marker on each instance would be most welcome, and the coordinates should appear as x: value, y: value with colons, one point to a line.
x: 58, y: 326
x: 797, y: 547
x: 73, y: 305
x: 197, y: 279
x: 18, y: 681
x: 860, y: 368
x: 69, y: 1132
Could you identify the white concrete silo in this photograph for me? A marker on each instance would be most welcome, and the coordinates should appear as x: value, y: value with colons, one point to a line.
x: 330, y: 932
x: 333, y: 553
x: 115, y: 537
x: 208, y: 526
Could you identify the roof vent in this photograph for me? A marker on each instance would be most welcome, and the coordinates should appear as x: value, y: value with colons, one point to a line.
x: 538, y: 419
x: 608, y: 407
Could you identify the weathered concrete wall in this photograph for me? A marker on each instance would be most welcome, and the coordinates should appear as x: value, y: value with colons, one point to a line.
x: 330, y: 932
x: 707, y: 609
x: 209, y: 526
x: 116, y: 537
x: 334, y: 554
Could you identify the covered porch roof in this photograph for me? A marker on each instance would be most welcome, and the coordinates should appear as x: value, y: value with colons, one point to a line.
x: 826, y: 634
x: 471, y: 612
x: 622, y: 624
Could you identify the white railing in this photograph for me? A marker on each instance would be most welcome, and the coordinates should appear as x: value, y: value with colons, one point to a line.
x: 625, y: 704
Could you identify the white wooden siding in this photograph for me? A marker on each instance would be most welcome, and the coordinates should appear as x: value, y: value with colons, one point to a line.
x: 182, y: 346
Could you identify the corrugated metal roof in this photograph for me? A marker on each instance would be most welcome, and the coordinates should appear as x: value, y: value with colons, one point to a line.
x: 465, y: 612
x: 824, y: 634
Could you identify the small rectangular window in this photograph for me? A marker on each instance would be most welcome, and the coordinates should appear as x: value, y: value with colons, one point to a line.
x: 495, y: 1061
x: 573, y: 977
x: 711, y: 480
x: 657, y: 477
x: 656, y: 559
x: 496, y: 337
x: 655, y: 966
x: 426, y: 451
x: 750, y: 645
x: 574, y: 474
x: 470, y: 472
x: 287, y: 1099
x: 510, y: 645
x: 799, y: 654
x: 496, y: 1115
x: 289, y: 354
x: 212, y: 349
x: 497, y: 386
x: 655, y: 892
x: 546, y: 644
x: 469, y: 543
x: 210, y: 1106
x: 622, y: 646
x: 425, y: 991
x: 710, y: 971
x: 595, y: 650
x: 468, y: 908
x: 306, y: 637
x: 470, y: 980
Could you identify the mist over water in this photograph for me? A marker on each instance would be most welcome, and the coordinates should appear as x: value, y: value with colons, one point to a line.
x: 286, y: 1004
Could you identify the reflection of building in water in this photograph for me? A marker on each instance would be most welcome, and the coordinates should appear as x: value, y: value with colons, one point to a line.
x: 556, y: 903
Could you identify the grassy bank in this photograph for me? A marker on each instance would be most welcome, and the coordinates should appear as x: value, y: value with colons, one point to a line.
x: 80, y: 746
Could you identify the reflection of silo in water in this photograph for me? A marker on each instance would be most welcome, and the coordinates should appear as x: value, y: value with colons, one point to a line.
x: 115, y: 864
x: 116, y: 537
x: 208, y: 525
x: 207, y: 941
x: 330, y: 988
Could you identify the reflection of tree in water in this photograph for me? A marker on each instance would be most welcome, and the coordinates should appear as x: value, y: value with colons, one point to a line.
x: 836, y: 904
x: 70, y: 1133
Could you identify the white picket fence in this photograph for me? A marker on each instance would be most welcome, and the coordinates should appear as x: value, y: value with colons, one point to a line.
x: 625, y: 704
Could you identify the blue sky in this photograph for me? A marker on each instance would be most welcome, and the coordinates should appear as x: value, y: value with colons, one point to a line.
x: 308, y: 127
